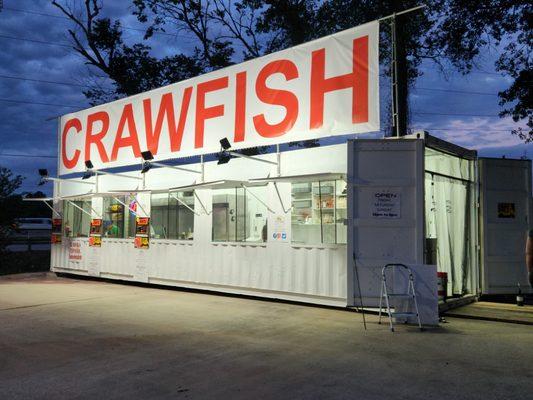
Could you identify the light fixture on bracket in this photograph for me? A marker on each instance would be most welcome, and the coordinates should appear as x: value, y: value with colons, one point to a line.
x: 148, y: 164
x: 90, y: 171
x: 226, y: 154
x: 45, y: 177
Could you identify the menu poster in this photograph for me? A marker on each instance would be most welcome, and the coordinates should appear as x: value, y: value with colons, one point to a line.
x: 95, y: 241
x: 96, y: 226
x: 141, y: 242
x: 142, y: 237
x: 95, y: 235
x: 57, y: 224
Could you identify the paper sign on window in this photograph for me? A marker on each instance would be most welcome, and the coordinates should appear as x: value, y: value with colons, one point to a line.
x: 56, y: 230
x: 386, y: 204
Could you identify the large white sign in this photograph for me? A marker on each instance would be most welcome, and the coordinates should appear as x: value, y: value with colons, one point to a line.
x: 322, y: 88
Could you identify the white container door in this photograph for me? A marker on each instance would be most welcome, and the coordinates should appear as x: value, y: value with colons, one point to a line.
x: 505, y: 215
x: 385, y: 211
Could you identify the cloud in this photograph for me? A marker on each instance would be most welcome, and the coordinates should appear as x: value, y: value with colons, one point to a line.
x: 476, y: 132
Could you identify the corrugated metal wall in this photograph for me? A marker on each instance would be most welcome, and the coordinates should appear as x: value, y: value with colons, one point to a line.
x: 310, y: 273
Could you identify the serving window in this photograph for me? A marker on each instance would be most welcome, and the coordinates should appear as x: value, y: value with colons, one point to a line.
x: 172, y: 215
x: 319, y: 212
x: 76, y: 223
x: 238, y: 215
x: 119, y: 221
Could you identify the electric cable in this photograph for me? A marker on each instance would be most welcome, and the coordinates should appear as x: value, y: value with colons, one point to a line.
x: 43, y: 81
x: 26, y: 155
x: 40, y: 104
x: 36, y: 41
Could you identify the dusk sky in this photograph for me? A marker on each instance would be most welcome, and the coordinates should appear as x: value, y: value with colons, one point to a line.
x: 34, y: 48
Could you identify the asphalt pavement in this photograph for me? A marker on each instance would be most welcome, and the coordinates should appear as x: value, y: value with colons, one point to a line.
x: 64, y: 338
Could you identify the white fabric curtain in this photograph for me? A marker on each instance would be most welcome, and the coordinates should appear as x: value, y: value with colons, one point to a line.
x: 447, y: 217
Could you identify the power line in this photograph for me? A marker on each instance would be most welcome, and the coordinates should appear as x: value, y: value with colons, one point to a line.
x: 454, y: 91
x: 35, y: 41
x: 88, y: 86
x: 479, y: 71
x: 453, y: 114
x: 466, y: 129
x: 38, y: 103
x: 67, y: 18
x: 43, y: 81
x: 26, y: 155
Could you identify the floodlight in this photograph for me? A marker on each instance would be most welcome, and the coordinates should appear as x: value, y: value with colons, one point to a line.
x: 223, y: 158
x: 147, y: 166
x: 147, y: 155
x: 226, y: 154
x: 88, y: 174
x: 226, y: 145
x: 43, y: 173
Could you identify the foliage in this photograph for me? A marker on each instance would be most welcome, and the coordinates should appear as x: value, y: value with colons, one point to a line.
x: 464, y: 30
x: 9, y: 183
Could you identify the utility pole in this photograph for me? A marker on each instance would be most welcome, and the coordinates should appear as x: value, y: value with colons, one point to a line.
x: 400, y: 107
x: 399, y: 75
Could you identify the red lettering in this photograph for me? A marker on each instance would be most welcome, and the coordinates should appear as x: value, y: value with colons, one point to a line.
x: 357, y: 80
x: 96, y: 139
x: 166, y: 109
x: 70, y: 162
x: 202, y: 112
x: 240, y: 107
x: 283, y: 98
x: 129, y: 141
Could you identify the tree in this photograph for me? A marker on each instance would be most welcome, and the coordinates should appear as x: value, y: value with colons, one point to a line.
x: 453, y: 32
x: 9, y: 183
x: 131, y: 68
x: 462, y: 30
